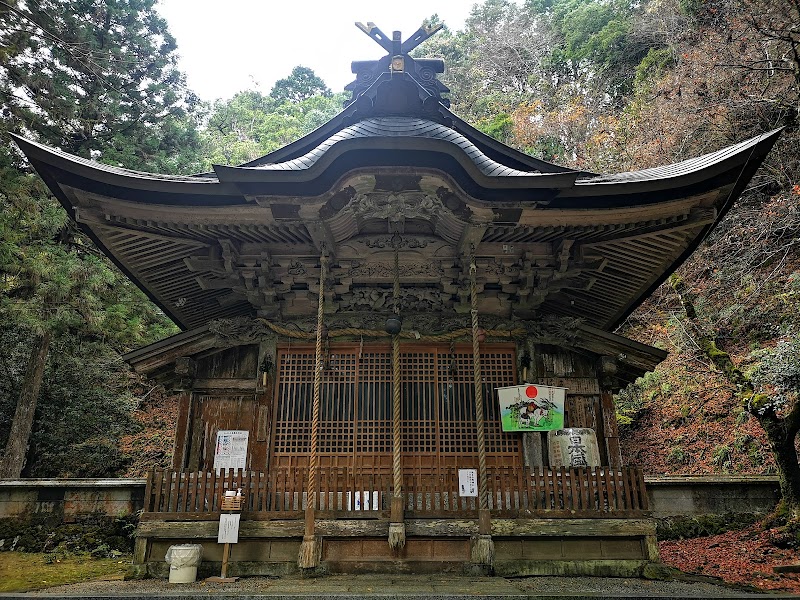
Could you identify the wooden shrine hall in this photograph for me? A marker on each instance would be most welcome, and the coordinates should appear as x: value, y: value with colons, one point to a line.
x: 351, y: 302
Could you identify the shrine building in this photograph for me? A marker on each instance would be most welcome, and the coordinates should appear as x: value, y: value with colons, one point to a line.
x: 351, y: 303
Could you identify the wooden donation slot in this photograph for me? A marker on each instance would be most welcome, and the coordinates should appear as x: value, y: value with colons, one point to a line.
x: 232, y: 503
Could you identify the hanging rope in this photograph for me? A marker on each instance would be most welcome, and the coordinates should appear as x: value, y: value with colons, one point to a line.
x: 310, y: 548
x: 313, y: 460
x: 397, y: 531
x: 396, y: 416
x: 476, y: 361
x: 482, y: 550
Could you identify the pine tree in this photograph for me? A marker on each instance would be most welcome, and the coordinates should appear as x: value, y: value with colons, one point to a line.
x: 105, y: 86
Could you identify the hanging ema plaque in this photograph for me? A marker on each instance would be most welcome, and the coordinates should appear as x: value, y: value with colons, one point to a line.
x: 532, y: 407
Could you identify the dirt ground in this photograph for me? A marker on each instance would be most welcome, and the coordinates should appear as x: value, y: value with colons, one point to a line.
x: 744, y: 557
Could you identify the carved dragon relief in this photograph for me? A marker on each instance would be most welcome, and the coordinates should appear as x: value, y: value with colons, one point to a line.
x: 407, y: 270
x: 395, y: 205
x: 403, y: 243
x: 412, y: 300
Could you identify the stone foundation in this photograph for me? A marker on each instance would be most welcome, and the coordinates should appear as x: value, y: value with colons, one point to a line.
x: 607, y: 547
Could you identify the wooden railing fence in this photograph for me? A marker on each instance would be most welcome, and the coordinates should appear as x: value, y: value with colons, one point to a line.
x: 513, y: 492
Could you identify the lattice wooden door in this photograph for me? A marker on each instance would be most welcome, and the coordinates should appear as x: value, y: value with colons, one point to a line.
x: 438, y: 428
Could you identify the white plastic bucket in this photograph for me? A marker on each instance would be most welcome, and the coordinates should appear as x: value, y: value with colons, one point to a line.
x: 183, y: 561
x: 182, y: 574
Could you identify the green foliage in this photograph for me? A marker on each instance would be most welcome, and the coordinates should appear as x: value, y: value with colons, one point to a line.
x: 547, y: 148
x: 499, y: 127
x: 96, y: 534
x: 631, y: 401
x: 251, y: 124
x: 54, y: 279
x: 690, y: 8
x: 721, y: 456
x: 677, y: 455
x: 573, y: 60
x: 653, y: 66
x: 24, y: 572
x: 106, y: 87
x: 106, y: 83
x: 300, y: 85
x: 598, y: 36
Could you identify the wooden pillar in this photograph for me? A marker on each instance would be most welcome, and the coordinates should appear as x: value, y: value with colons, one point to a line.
x: 196, y: 439
x: 265, y: 395
x: 180, y: 451
x: 610, y: 431
x: 185, y: 369
x: 532, y: 453
x: 607, y: 370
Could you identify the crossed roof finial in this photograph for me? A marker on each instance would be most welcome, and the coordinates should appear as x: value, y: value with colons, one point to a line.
x: 397, y: 68
x: 394, y: 46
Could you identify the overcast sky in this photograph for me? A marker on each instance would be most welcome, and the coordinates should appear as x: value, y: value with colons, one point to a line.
x: 227, y: 46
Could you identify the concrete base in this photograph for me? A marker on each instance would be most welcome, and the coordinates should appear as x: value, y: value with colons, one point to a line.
x: 160, y: 570
x: 597, y: 547
x: 589, y: 568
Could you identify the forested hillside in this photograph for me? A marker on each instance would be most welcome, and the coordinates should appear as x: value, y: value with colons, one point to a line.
x: 603, y: 86
x: 614, y: 86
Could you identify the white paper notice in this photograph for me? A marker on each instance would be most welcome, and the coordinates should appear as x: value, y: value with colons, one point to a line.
x: 231, y: 450
x: 228, y: 529
x: 468, y: 482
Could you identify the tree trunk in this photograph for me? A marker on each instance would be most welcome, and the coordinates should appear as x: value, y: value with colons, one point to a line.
x: 781, y: 430
x: 782, y: 442
x: 21, y: 426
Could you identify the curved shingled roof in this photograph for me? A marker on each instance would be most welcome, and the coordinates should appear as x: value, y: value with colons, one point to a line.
x: 397, y: 127
x: 381, y: 141
x: 686, y: 167
x: 554, y: 240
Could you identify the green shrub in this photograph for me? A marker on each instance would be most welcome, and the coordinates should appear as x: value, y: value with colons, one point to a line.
x: 680, y: 528
x: 96, y: 534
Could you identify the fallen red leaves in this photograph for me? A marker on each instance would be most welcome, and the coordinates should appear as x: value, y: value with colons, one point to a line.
x: 743, y: 557
x: 152, y: 445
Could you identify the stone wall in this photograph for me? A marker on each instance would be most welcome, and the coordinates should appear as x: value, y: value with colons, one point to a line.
x: 711, y: 495
x: 71, y: 497
x: 669, y: 496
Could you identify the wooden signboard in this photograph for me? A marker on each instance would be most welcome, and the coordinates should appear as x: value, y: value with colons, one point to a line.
x: 228, y: 529
x: 468, y: 483
x: 228, y: 532
x: 230, y: 451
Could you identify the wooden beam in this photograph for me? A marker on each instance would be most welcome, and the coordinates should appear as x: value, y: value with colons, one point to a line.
x: 199, y: 530
x: 233, y: 385
x: 697, y: 217
x: 471, y: 238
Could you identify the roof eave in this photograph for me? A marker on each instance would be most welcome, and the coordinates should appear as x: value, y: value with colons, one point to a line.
x: 758, y: 152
